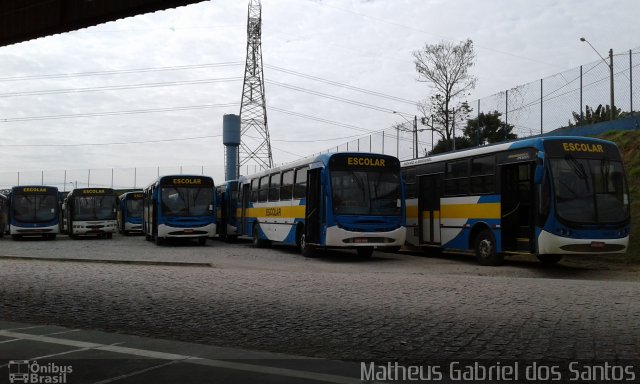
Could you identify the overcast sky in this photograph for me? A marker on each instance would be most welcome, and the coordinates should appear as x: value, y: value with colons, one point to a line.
x: 365, y: 44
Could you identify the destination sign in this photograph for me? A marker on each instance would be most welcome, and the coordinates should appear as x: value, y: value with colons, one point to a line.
x: 363, y: 161
x: 136, y: 196
x: 93, y: 191
x: 34, y: 190
x: 582, y: 148
x: 188, y: 181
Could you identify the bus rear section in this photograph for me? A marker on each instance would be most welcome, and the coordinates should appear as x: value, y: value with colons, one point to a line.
x: 343, y: 200
x: 227, y: 210
x: 130, y: 212
x: 179, y: 206
x: 91, y: 212
x: 33, y: 211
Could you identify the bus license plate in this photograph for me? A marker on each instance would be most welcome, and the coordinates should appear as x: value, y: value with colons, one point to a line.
x: 360, y: 240
x: 188, y: 231
x: 597, y: 244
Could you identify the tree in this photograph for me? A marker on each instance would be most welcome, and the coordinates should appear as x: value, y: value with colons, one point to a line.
x: 492, y: 129
x: 446, y: 67
x: 593, y: 116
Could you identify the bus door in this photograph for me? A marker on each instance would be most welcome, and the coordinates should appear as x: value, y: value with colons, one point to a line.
x: 517, y: 207
x: 313, y: 208
x: 246, y: 197
x: 430, y: 189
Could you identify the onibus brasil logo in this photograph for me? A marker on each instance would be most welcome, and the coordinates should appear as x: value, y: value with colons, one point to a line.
x: 31, y: 372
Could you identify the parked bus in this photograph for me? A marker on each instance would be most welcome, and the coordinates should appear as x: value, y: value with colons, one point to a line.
x: 4, y: 214
x: 339, y: 200
x: 130, y: 212
x: 34, y: 211
x: 228, y: 210
x: 546, y: 196
x: 179, y: 206
x: 90, y: 212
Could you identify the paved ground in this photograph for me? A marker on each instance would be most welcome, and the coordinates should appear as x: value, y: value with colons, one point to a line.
x: 394, y: 307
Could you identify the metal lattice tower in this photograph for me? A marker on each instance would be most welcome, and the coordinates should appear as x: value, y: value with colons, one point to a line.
x: 255, y: 146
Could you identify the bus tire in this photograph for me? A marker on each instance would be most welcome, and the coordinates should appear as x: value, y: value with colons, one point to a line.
x: 159, y: 240
x: 365, y: 252
x: 256, y: 240
x: 485, y: 249
x: 202, y: 240
x: 109, y: 235
x: 549, y: 259
x: 16, y: 237
x: 51, y: 236
x: 306, y: 249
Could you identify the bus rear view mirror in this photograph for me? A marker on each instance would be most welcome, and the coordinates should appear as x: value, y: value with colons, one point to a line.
x: 399, y: 203
x: 210, y: 207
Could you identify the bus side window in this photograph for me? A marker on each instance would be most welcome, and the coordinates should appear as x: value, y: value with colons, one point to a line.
x: 483, y: 174
x: 286, y: 190
x: 300, y: 188
x: 409, y: 177
x: 264, y: 189
x: 254, y: 190
x: 274, y: 187
x: 457, y: 178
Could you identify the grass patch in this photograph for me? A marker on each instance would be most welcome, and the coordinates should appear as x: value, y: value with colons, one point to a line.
x: 629, y: 144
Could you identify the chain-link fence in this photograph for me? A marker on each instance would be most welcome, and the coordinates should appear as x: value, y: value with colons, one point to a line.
x: 532, y: 109
x: 117, y: 178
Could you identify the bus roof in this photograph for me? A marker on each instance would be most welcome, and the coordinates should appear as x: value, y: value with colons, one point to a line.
x: 161, y: 178
x: 321, y: 159
x: 531, y: 142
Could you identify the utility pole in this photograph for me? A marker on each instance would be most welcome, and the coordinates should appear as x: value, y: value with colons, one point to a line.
x: 611, y: 82
x: 415, y: 135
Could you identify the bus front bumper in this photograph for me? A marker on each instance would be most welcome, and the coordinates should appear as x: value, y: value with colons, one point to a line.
x: 550, y: 244
x: 338, y: 237
x: 204, y: 231
x: 34, y: 231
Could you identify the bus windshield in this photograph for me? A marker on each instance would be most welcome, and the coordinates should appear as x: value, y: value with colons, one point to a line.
x: 590, y: 191
x: 94, y: 207
x: 134, y: 208
x: 186, y: 201
x: 35, y: 208
x: 370, y: 192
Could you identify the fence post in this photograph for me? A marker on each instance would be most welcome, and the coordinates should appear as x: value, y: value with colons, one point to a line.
x: 630, y: 82
x: 542, y: 106
x: 64, y: 186
x: 506, y: 113
x: 111, y: 177
x: 89, y: 178
x: 383, y: 142
x: 477, y: 133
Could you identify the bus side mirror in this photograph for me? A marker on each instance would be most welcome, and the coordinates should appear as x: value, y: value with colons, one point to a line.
x: 210, y: 207
x: 539, y: 172
x: 64, y: 206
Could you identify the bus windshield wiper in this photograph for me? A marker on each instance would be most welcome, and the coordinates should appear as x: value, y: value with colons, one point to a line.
x: 578, y: 168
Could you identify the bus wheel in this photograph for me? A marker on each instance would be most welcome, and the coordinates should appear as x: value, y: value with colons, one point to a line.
x: 257, y: 241
x: 109, y: 235
x: 16, y: 237
x: 202, y: 240
x: 51, y: 236
x: 486, y: 249
x: 306, y: 249
x: 549, y: 259
x: 159, y: 240
x: 365, y: 252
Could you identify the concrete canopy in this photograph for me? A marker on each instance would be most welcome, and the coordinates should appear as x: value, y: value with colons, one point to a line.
x: 22, y: 20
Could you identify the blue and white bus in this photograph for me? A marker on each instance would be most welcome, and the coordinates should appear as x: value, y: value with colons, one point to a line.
x: 338, y: 200
x: 179, y: 206
x: 130, y: 212
x: 34, y: 211
x: 228, y: 210
x: 90, y: 212
x: 545, y: 196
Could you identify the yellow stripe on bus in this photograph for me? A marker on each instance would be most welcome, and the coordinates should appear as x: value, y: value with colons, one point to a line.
x: 471, y: 211
x: 412, y: 213
x: 286, y: 212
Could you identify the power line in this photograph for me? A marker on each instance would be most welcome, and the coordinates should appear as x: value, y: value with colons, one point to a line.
x: 121, y: 71
x: 338, y: 84
x: 116, y: 113
x: 113, y: 143
x: 119, y: 87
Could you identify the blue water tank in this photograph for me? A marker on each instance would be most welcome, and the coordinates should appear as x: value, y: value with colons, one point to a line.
x: 231, y: 130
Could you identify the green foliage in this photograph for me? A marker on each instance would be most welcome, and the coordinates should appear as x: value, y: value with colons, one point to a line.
x: 598, y: 115
x: 492, y: 129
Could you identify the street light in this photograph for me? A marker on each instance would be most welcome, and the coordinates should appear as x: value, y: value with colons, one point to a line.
x: 415, y: 132
x: 610, y: 65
